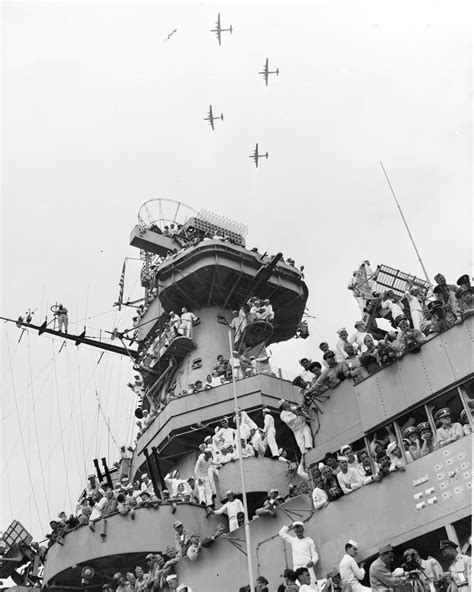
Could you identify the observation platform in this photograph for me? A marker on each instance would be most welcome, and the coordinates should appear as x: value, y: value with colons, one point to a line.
x: 215, y: 273
x: 125, y: 544
x: 186, y: 421
x: 261, y: 474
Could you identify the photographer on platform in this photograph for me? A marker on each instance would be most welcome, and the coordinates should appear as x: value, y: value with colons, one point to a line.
x: 427, y: 571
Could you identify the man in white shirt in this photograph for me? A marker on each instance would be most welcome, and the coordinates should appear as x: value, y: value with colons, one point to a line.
x: 232, y: 507
x: 303, y: 549
x: 357, y: 338
x: 226, y: 433
x: 175, y: 323
x: 235, y: 325
x: 306, y: 375
x: 295, y: 419
x: 258, y: 444
x: 215, y: 380
x: 341, y: 342
x: 319, y: 496
x: 246, y: 424
x: 187, y: 320
x: 349, y: 479
x: 413, y: 297
x: 270, y: 432
x: 269, y: 315
x: 201, y: 474
x: 247, y: 450
x: 389, y: 302
x: 236, y: 365
x: 351, y: 573
x: 147, y: 484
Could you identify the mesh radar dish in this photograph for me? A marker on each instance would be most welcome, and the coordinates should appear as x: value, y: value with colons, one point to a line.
x: 164, y: 212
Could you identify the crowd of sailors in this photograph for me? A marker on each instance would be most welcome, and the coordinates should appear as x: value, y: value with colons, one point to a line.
x: 338, y: 474
x: 358, y: 354
x: 429, y: 309
x: 387, y: 573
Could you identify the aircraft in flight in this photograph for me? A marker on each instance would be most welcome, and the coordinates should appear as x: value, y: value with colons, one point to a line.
x: 171, y: 34
x: 266, y: 72
x: 256, y: 155
x: 211, y: 118
x: 219, y: 30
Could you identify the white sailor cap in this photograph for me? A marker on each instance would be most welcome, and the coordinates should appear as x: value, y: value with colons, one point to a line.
x: 171, y: 577
x: 229, y: 491
x: 343, y: 458
x: 298, y: 523
x: 353, y: 543
x: 339, y: 331
x: 207, y: 439
x: 144, y: 476
x: 266, y: 410
x: 345, y: 447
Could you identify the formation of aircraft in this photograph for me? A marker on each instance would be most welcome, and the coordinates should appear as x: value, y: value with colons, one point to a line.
x: 219, y: 30
x: 255, y: 155
x: 266, y: 72
x: 211, y: 118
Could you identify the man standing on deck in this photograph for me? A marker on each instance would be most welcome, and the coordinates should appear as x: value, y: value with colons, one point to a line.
x: 187, y: 320
x: 270, y: 432
x: 295, y: 418
x: 201, y: 474
x: 61, y: 313
x: 303, y: 549
x: 459, y: 565
x: 351, y: 573
x: 381, y: 579
x: 232, y: 507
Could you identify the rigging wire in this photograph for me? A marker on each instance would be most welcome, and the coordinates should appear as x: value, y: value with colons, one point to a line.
x: 48, y: 365
x: 21, y: 435
x: 107, y: 423
x: 7, y: 475
x: 36, y: 427
x: 66, y: 472
x: 74, y: 433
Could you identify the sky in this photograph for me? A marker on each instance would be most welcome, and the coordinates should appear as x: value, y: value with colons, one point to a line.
x: 101, y: 113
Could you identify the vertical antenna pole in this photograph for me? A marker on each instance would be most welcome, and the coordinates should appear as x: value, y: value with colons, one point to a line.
x: 242, y: 477
x: 406, y: 225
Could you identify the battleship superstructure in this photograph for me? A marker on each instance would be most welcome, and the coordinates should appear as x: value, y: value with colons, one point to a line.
x: 200, y: 262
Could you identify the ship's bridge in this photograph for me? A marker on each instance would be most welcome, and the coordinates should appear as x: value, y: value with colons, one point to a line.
x: 216, y: 273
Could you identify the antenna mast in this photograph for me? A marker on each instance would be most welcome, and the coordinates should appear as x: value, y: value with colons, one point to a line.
x: 406, y: 225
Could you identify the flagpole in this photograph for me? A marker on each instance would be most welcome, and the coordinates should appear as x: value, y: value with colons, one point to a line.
x: 406, y: 225
x: 242, y: 477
